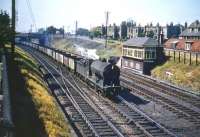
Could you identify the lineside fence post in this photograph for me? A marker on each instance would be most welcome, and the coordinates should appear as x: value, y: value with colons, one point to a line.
x: 196, y: 58
x: 184, y: 58
x: 174, y: 55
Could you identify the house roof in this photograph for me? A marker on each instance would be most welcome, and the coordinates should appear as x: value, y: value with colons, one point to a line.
x: 195, y: 24
x: 141, y: 42
x: 188, y: 33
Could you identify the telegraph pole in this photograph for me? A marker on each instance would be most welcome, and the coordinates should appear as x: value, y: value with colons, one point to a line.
x: 13, y: 27
x: 107, y: 17
x: 63, y: 31
x: 76, y: 28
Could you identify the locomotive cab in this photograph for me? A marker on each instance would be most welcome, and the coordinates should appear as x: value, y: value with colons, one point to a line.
x: 106, y: 77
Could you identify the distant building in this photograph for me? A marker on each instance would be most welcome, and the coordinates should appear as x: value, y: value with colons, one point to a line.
x: 110, y: 31
x: 130, y: 26
x: 152, y: 31
x: 189, y: 39
x: 138, y: 31
x: 157, y: 32
x: 113, y: 31
x: 134, y: 31
x: 141, y: 54
x: 192, y: 32
x: 173, y: 31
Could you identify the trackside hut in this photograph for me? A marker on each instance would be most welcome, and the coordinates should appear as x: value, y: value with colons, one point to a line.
x: 141, y: 54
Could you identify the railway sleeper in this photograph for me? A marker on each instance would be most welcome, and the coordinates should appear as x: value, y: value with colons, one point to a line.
x: 106, y: 134
x: 91, y: 114
x: 86, y: 108
x: 99, y: 123
x: 102, y: 124
x: 104, y: 129
x: 96, y: 119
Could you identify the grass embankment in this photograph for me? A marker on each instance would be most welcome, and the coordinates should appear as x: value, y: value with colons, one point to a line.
x: 184, y: 75
x: 113, y: 49
x: 65, y: 44
x: 35, y: 112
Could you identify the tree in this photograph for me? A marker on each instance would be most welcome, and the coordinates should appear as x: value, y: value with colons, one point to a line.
x: 141, y: 34
x: 150, y: 34
x: 51, y: 30
x: 96, y: 32
x: 41, y: 30
x: 82, y: 32
x: 116, y: 32
x: 61, y: 31
x: 123, y: 30
x: 5, y: 28
x: 103, y: 30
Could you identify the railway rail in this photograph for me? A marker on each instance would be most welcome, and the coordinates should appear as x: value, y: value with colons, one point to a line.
x: 136, y: 118
x: 139, y: 121
x: 84, y: 113
x: 178, y: 109
x: 166, y: 89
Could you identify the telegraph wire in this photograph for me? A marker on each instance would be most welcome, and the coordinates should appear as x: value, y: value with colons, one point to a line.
x: 31, y: 13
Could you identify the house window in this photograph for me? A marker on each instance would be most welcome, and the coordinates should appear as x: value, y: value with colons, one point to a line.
x: 131, y: 64
x: 150, y: 53
x: 135, y: 53
x: 130, y: 52
x: 153, y: 55
x: 137, y: 66
x: 139, y: 54
x: 125, y: 52
x: 187, y: 46
x: 147, y: 55
x: 173, y: 45
x: 126, y: 63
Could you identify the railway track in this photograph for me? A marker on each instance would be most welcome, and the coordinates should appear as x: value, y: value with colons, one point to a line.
x: 141, y: 123
x: 178, y: 109
x: 84, y: 114
x: 187, y: 97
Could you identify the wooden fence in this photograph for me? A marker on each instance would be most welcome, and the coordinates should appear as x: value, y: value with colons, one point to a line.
x: 182, y: 56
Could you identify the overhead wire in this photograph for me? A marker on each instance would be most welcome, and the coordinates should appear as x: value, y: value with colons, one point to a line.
x: 31, y: 13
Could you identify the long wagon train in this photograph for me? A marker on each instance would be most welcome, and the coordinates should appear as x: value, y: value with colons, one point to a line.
x: 103, y: 76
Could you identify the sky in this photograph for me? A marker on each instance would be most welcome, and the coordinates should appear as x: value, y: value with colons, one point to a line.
x: 91, y: 13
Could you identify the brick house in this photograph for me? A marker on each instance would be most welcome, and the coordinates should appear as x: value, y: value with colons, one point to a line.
x: 182, y: 44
